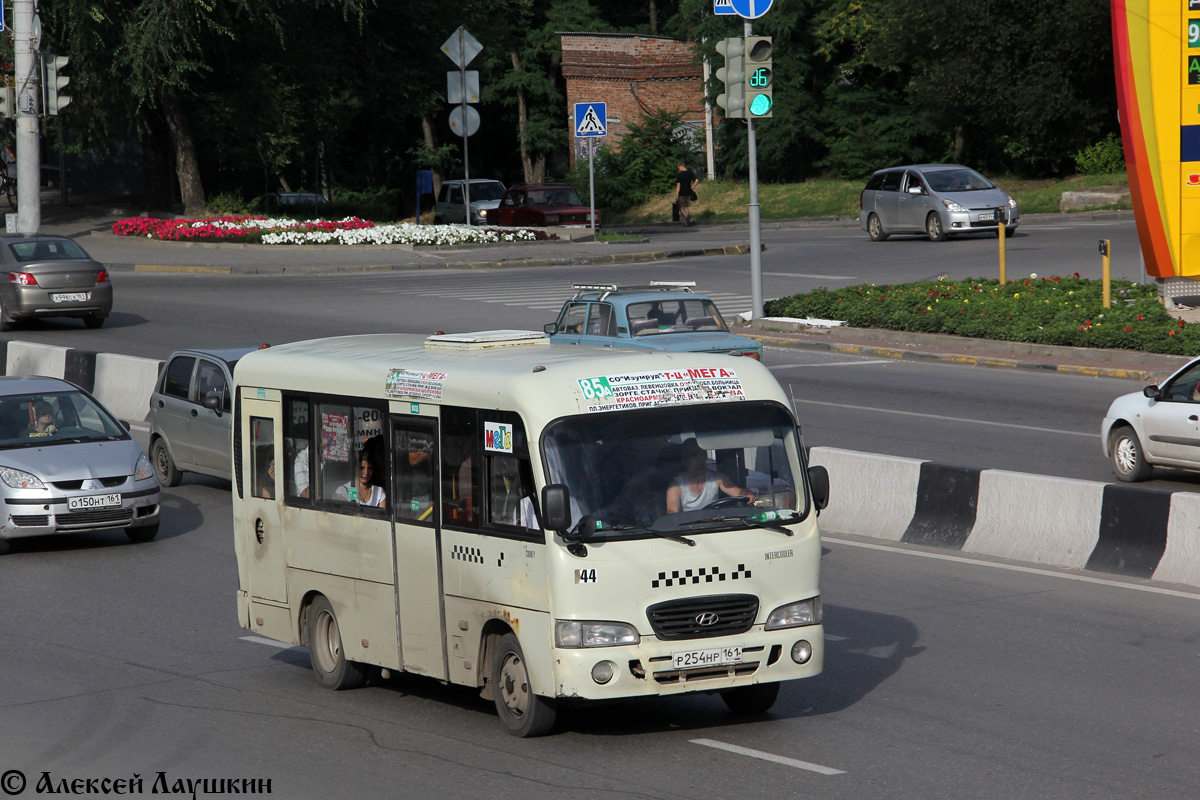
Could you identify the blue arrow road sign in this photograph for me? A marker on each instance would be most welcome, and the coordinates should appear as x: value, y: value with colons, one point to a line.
x: 591, y: 119
x: 721, y: 7
x: 750, y: 9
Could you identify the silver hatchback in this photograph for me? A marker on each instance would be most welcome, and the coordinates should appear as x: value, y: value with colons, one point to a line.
x: 51, y: 276
x: 68, y: 465
x: 937, y: 200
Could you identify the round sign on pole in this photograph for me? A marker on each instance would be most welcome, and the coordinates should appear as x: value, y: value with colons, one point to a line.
x: 457, y: 124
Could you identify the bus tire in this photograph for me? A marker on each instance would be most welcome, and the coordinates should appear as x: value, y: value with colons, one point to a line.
x: 523, y: 713
x: 329, y: 662
x: 756, y: 699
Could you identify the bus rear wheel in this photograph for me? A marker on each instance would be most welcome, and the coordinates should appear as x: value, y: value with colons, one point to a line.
x: 329, y: 662
x: 523, y: 713
x: 756, y: 699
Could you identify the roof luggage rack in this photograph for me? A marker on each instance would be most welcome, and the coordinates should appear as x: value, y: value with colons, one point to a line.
x: 605, y: 289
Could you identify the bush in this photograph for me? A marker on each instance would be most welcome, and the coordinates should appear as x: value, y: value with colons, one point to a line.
x: 1101, y: 158
x: 228, y: 204
x: 1052, y: 310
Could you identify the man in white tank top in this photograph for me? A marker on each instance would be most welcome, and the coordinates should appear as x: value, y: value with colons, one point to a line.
x: 698, y: 486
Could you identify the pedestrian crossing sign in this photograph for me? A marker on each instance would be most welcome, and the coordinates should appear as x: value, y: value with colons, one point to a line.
x: 591, y: 119
x: 723, y: 7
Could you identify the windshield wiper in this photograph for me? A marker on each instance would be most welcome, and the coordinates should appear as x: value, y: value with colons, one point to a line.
x: 674, y: 537
x: 749, y: 522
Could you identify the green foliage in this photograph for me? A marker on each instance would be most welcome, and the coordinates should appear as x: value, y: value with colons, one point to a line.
x: 644, y: 167
x: 378, y: 205
x: 1102, y: 157
x: 227, y: 204
x: 1042, y: 310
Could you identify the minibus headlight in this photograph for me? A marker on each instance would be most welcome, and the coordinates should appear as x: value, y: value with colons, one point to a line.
x: 18, y: 479
x: 572, y: 633
x: 794, y: 615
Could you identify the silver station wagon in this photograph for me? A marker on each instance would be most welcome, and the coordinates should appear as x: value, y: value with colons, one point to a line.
x: 937, y: 200
x: 67, y: 465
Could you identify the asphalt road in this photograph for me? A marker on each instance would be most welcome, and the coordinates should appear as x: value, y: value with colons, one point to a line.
x: 945, y: 677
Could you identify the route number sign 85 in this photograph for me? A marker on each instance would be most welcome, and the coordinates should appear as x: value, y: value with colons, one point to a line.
x: 593, y: 388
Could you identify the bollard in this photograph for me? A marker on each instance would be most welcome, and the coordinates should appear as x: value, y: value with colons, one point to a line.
x: 1106, y: 264
x: 1001, y: 217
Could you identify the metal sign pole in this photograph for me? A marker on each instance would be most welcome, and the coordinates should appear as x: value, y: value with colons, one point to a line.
x: 462, y: 69
x: 756, y: 290
x: 592, y: 181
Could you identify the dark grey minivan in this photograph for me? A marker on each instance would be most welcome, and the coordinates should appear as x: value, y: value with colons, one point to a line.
x: 937, y: 200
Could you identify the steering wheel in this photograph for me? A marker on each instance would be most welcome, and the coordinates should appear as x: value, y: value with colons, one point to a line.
x: 729, y: 502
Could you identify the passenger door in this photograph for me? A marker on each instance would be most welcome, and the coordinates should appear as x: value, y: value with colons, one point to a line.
x: 265, y: 552
x: 1172, y: 423
x: 173, y: 408
x: 887, y: 200
x: 911, y: 208
x: 211, y: 427
x: 415, y: 500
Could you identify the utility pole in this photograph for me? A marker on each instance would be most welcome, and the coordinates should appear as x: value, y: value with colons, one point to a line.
x: 29, y: 156
x: 755, y: 214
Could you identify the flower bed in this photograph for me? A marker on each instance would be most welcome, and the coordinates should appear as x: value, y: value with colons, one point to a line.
x: 1049, y: 310
x: 348, y: 231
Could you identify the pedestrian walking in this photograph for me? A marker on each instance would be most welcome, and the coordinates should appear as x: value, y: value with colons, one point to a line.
x: 685, y: 192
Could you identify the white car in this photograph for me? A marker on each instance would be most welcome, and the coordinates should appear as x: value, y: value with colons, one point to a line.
x: 485, y: 197
x: 1158, y: 426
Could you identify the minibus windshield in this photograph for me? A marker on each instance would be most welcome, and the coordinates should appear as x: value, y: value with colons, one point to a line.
x: 686, y: 469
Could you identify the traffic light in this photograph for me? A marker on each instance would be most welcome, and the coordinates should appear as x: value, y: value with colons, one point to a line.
x: 8, y: 102
x: 53, y: 83
x: 759, y: 83
x: 733, y: 75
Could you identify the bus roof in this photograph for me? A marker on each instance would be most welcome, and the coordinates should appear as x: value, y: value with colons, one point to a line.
x: 487, y: 370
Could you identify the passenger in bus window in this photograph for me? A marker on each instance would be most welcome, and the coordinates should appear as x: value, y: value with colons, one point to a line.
x: 265, y: 479
x: 363, y: 489
x: 300, y: 468
x: 414, y: 476
x: 698, y: 486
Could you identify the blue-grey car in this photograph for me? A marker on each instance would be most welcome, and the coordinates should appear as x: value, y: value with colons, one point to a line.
x: 937, y: 200
x: 67, y: 465
x: 662, y: 315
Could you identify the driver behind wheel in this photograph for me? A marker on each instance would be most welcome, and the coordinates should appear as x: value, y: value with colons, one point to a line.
x: 697, y: 486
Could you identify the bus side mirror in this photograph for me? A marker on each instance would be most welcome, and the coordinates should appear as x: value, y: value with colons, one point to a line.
x: 818, y: 480
x: 556, y: 507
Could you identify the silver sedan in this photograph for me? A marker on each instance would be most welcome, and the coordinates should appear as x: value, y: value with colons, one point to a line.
x: 51, y: 276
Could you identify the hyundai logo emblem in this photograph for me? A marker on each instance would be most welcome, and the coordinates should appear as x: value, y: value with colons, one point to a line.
x: 707, y: 618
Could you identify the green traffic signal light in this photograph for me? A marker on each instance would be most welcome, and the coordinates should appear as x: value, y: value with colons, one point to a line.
x: 760, y: 105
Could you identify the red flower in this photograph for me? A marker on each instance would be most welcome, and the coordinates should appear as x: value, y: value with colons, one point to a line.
x: 1076, y: 274
x: 1081, y: 328
x: 1129, y: 329
x: 1139, y: 317
x: 1170, y: 333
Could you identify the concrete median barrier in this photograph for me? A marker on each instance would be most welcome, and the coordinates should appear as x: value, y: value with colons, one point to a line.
x: 1105, y: 528
x: 125, y: 383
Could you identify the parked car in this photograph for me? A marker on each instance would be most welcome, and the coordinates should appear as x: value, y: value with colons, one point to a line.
x: 51, y: 276
x: 191, y: 414
x: 938, y: 200
x: 485, y: 198
x: 1158, y: 426
x: 67, y: 465
x: 543, y: 205
x: 662, y: 315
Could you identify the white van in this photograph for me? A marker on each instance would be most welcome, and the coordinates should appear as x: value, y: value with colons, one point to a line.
x: 543, y: 523
x: 450, y: 206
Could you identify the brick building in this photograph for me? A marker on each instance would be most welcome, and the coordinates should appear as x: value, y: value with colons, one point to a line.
x: 633, y: 75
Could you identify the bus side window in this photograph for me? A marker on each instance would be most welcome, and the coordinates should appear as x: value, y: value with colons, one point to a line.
x: 415, y: 475
x: 297, y: 452
x: 262, y: 457
x: 460, y: 457
x: 336, y: 451
x: 510, y: 492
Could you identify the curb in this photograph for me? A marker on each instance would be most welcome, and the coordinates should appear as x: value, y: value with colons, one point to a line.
x: 1107, y: 528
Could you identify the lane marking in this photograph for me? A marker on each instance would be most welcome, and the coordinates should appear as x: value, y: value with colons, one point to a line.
x: 816, y: 277
x: 784, y: 760
x: 1137, y: 587
x: 949, y: 419
x: 269, y: 642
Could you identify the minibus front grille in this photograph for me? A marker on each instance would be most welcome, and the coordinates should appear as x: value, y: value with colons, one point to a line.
x: 703, y: 617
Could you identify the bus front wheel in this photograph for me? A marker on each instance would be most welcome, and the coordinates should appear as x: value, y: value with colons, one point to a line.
x: 523, y: 713
x: 329, y: 662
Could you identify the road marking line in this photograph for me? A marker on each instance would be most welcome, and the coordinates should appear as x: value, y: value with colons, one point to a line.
x: 173, y: 268
x: 787, y: 762
x: 948, y: 419
x: 270, y: 642
x: 816, y: 277
x: 1014, y: 568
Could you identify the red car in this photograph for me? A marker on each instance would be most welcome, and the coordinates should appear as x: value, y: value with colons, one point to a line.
x: 542, y: 205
